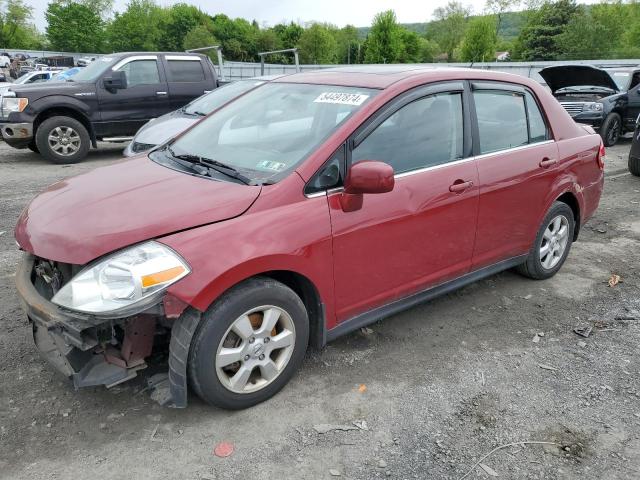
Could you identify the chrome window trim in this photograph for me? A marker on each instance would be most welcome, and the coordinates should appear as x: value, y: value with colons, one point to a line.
x: 124, y: 61
x: 513, y: 149
x: 189, y: 58
x: 433, y: 167
x: 323, y: 193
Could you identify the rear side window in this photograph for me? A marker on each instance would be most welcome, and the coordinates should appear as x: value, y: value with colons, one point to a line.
x: 538, y: 131
x: 502, y: 120
x: 185, y: 71
x: 424, y: 133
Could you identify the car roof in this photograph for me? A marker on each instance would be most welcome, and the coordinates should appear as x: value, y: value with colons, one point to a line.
x: 383, y: 76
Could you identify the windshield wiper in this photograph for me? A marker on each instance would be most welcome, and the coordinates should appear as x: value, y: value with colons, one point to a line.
x: 220, y: 167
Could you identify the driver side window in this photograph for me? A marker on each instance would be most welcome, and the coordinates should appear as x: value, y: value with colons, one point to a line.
x: 425, y: 133
x: 141, y: 72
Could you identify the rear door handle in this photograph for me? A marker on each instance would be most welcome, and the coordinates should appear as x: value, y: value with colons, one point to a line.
x: 161, y: 93
x: 547, y: 162
x: 460, y: 186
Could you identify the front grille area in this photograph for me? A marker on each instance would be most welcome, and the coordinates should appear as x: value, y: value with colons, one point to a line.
x: 137, y: 147
x: 573, y: 108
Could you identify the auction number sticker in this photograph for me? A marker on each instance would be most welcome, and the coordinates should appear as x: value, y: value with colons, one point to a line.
x: 277, y: 166
x: 340, y: 98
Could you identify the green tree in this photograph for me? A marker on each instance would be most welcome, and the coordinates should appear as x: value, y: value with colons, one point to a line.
x: 449, y: 28
x: 317, y: 45
x: 480, y: 39
x: 541, y: 35
x: 198, y: 37
x: 238, y: 37
x: 499, y: 8
x: 15, y: 29
x: 178, y: 20
x: 73, y: 27
x: 384, y: 42
x: 137, y: 28
x: 348, y: 44
x: 289, y: 34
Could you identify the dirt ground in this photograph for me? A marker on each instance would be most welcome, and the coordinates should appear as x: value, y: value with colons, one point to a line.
x: 428, y: 392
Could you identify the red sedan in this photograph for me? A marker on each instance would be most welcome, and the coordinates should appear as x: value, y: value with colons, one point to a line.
x: 301, y: 211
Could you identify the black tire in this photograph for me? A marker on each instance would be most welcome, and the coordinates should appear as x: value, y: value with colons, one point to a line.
x: 49, y: 126
x: 611, y: 129
x: 533, y: 267
x: 214, y: 326
x: 33, y: 147
x: 634, y: 166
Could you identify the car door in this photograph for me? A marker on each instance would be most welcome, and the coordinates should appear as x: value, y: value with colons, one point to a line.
x: 517, y: 164
x: 421, y: 233
x: 633, y: 105
x: 124, y: 111
x: 187, y: 79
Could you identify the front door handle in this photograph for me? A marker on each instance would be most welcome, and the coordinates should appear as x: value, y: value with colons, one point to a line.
x: 460, y: 186
x: 547, y: 162
x: 161, y: 93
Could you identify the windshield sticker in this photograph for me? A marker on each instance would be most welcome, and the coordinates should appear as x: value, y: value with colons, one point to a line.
x: 339, y: 98
x: 276, y: 166
x: 620, y: 74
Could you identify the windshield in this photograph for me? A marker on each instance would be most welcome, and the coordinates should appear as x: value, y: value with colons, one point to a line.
x: 270, y: 130
x: 209, y: 102
x: 621, y: 78
x: 92, y: 72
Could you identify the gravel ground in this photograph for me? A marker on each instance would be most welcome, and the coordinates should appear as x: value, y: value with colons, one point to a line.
x: 431, y: 390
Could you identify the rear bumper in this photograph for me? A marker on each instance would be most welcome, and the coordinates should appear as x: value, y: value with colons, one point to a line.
x: 17, y: 135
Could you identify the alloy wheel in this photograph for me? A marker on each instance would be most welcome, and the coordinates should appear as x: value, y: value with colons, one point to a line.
x: 255, y: 349
x: 64, y: 141
x: 554, y: 242
x: 614, y: 132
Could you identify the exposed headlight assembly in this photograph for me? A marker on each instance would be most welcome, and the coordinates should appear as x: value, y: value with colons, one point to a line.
x: 594, y: 107
x: 125, y: 282
x: 13, y: 104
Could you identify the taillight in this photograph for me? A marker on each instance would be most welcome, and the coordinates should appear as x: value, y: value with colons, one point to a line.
x: 601, y: 155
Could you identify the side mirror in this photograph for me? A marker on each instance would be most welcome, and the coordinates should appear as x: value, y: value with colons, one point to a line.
x: 117, y: 81
x: 367, y: 176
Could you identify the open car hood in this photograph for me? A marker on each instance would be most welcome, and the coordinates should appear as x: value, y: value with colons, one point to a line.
x: 82, y: 218
x: 577, y: 76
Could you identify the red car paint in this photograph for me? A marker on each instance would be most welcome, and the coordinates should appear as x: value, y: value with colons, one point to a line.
x: 427, y: 230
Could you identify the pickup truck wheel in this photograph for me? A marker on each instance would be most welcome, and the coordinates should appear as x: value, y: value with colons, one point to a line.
x: 62, y: 140
x: 552, y: 243
x: 248, y: 344
x: 611, y: 129
x: 634, y: 166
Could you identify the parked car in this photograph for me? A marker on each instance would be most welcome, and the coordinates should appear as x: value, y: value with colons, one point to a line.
x: 37, y: 76
x: 608, y: 99
x: 64, y: 75
x: 84, y: 61
x: 158, y: 130
x: 634, y: 151
x: 108, y: 100
x: 5, y: 61
x: 3, y: 78
x: 304, y: 210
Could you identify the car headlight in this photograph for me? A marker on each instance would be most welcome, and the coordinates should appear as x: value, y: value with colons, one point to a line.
x: 594, y: 107
x: 128, y: 280
x: 13, y: 104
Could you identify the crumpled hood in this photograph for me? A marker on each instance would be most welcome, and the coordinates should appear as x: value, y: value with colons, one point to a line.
x: 576, y: 76
x: 81, y: 218
x: 164, y: 128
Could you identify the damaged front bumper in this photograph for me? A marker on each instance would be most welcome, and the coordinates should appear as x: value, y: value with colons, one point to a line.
x: 94, y: 351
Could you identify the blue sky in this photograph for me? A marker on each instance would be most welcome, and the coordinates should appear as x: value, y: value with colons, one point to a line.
x: 270, y: 12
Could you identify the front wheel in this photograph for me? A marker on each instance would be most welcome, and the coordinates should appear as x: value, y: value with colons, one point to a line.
x: 249, y: 344
x: 62, y: 140
x: 552, y: 244
x: 611, y: 129
x: 634, y: 166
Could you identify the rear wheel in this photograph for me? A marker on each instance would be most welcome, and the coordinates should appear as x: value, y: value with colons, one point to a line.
x: 634, y: 166
x: 62, y: 140
x: 611, y: 129
x: 552, y: 243
x: 249, y: 344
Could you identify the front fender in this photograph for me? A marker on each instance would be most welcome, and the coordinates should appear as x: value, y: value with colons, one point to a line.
x: 58, y: 101
x: 293, y: 237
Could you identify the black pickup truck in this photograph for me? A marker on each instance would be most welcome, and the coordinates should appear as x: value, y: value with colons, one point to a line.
x: 608, y: 99
x: 109, y: 100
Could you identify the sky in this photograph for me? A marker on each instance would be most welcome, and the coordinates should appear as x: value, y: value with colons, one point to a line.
x: 270, y: 12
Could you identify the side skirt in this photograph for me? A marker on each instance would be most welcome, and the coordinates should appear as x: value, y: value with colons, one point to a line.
x: 402, y: 304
